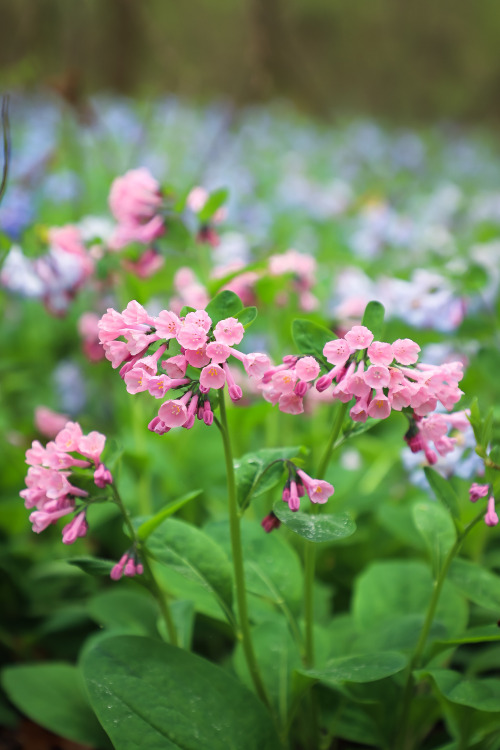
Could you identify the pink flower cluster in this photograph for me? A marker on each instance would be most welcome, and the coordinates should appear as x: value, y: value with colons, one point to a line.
x: 135, y: 200
x: 127, y: 565
x: 381, y: 377
x: 191, y: 341
x: 297, y: 485
x: 478, y: 491
x: 434, y: 429
x: 48, y: 488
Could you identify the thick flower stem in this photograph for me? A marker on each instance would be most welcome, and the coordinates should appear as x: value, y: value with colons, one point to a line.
x: 310, y: 547
x: 152, y: 582
x: 403, y: 742
x: 239, y: 571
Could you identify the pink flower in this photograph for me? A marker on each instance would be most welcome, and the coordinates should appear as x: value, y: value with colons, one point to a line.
x: 270, y: 522
x: 147, y: 265
x: 379, y: 407
x: 491, y: 518
x: 337, y: 352
x: 218, y: 352
x: 134, y: 200
x: 69, y: 438
x: 307, y: 368
x: 92, y: 445
x: 256, y: 364
x: 167, y: 324
x: 212, y: 376
x: 174, y: 413
x: 377, y: 376
x: 359, y: 337
x: 405, y: 351
x: 175, y: 367
x: 380, y: 353
x: 318, y: 490
x: 478, y: 490
x: 198, y: 358
x: 102, y: 476
x: 291, y: 403
x: 199, y: 318
x: 229, y: 331
x: 293, y: 497
x: 191, y: 337
x: 137, y: 380
x: 78, y: 527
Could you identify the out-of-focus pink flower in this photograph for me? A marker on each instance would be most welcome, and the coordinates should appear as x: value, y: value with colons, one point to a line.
x: 135, y: 200
x: 49, y: 422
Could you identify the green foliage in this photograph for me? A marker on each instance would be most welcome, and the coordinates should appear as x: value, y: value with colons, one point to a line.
x: 52, y: 695
x: 437, y: 530
x: 373, y: 318
x: 443, y: 491
x: 316, y: 527
x: 261, y: 470
x: 201, y: 706
x: 310, y: 338
x: 225, y: 305
x: 151, y: 524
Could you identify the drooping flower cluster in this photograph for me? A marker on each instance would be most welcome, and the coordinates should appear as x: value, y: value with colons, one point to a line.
x: 478, y: 491
x: 135, y: 200
x: 434, y: 429
x: 296, y: 486
x: 381, y: 377
x: 48, y: 487
x: 189, y: 344
x: 54, y: 277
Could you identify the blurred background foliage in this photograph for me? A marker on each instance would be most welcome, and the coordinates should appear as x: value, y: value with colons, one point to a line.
x: 412, y: 61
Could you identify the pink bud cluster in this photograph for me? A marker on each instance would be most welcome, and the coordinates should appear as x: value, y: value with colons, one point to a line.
x: 381, y: 377
x: 48, y: 488
x: 478, y: 491
x: 297, y: 485
x: 135, y: 200
x: 127, y: 565
x: 201, y: 344
x: 434, y: 429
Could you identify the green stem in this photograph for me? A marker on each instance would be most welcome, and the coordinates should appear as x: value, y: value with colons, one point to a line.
x: 424, y: 633
x: 153, y: 583
x: 239, y: 570
x: 310, y: 547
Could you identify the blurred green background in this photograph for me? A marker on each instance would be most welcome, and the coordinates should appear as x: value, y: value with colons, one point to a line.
x: 410, y: 60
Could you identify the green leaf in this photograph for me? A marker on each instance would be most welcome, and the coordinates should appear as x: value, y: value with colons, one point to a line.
x: 225, y: 305
x: 152, y: 695
x: 373, y: 318
x: 277, y: 656
x: 310, y: 338
x: 480, y: 634
x: 147, y: 527
x: 133, y: 612
x: 476, y: 583
x: 443, y: 491
x: 437, y: 529
x: 196, y: 556
x: 483, y: 695
x: 404, y: 587
x: 255, y: 474
x: 272, y: 567
x: 53, y: 696
x: 214, y: 202
x: 359, y: 668
x: 185, y: 310
x: 94, y: 566
x: 487, y: 429
x: 247, y: 316
x: 316, y: 527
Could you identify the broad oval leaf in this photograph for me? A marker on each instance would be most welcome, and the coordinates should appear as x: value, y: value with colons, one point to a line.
x: 476, y: 583
x: 316, y: 527
x: 201, y: 705
x: 483, y: 695
x: 225, y: 305
x: 403, y: 587
x: 443, y: 491
x: 196, y: 556
x: 247, y: 316
x: 373, y: 318
x: 134, y: 612
x: 437, y: 530
x: 53, y: 696
x: 310, y: 338
x: 359, y: 668
x: 94, y: 566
